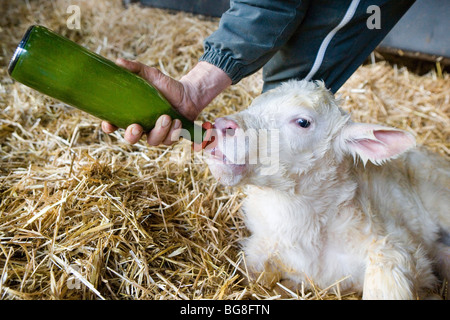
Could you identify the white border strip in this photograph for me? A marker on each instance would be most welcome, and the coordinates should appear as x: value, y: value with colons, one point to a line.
x: 323, y: 47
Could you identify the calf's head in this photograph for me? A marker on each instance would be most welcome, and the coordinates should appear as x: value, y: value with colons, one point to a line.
x: 291, y: 130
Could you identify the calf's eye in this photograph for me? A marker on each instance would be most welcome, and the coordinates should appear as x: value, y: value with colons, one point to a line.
x: 303, y: 123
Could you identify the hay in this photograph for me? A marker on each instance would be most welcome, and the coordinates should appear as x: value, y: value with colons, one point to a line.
x: 84, y: 215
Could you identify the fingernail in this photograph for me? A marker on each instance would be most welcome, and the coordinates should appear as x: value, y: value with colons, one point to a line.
x: 177, y: 124
x: 135, y: 131
x: 165, y: 121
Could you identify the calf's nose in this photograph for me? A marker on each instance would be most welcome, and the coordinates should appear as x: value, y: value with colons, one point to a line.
x: 225, y: 127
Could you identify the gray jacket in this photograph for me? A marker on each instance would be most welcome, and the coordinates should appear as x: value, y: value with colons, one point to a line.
x: 313, y: 39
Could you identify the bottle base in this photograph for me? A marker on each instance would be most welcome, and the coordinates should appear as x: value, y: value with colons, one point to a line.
x: 19, y: 50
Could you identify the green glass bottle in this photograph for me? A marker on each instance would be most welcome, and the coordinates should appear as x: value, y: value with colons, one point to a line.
x: 62, y: 69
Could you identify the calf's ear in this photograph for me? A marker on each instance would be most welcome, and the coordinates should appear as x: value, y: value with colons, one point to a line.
x: 375, y: 143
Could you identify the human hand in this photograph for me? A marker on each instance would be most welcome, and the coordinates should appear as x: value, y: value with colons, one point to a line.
x: 189, y: 97
x: 178, y: 95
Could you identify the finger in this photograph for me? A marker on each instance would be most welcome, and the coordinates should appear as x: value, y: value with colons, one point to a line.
x: 174, y: 133
x: 160, y: 131
x: 133, y: 133
x: 152, y: 75
x: 135, y: 67
x: 108, y: 127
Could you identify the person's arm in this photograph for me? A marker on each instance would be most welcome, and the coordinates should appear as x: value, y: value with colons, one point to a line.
x: 250, y: 33
x: 189, y: 96
x: 203, y: 83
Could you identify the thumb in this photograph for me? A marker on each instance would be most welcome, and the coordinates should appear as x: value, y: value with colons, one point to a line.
x: 171, y: 89
x: 153, y: 75
x: 135, y: 67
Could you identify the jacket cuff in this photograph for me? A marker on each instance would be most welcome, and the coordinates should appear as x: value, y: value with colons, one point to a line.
x: 225, y: 62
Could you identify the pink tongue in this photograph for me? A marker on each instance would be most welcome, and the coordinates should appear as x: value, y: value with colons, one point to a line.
x: 208, y: 126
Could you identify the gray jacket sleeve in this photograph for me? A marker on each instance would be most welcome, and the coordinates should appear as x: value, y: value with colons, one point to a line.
x: 250, y: 33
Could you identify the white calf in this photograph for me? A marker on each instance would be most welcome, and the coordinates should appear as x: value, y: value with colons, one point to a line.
x: 334, y: 206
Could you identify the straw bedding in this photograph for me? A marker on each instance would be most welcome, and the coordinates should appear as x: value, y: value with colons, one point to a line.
x: 84, y: 215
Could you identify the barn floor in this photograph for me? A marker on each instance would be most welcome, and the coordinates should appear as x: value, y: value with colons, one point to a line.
x: 84, y: 215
